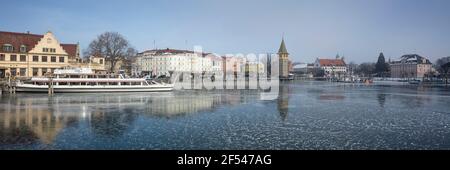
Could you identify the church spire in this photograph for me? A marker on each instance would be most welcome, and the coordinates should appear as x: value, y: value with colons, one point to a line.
x: 282, y: 47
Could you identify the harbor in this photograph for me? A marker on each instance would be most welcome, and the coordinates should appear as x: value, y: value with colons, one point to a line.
x: 192, y: 75
x: 304, y: 115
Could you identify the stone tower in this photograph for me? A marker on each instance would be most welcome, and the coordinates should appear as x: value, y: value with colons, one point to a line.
x: 283, y: 57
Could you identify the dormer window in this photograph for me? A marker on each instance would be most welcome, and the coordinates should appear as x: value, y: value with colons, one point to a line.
x: 23, y: 48
x: 8, y: 48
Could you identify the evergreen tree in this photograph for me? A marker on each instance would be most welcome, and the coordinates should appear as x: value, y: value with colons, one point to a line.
x: 381, y: 66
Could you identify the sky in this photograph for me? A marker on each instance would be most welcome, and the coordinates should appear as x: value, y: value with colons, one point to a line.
x: 356, y: 29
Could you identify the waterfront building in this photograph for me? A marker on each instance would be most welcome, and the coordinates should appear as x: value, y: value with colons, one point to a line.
x: 332, y: 67
x: 253, y: 68
x: 95, y: 63
x: 290, y: 66
x: 283, y: 61
x: 411, y: 66
x: 120, y: 67
x: 233, y: 65
x: 216, y: 62
x: 25, y: 55
x: 73, y: 51
x: 135, y: 70
x: 300, y: 68
x: 161, y: 62
x: 201, y: 63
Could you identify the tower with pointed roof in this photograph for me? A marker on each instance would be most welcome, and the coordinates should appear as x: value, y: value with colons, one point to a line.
x: 283, y: 57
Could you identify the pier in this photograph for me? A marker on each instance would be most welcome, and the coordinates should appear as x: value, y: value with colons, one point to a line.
x: 7, y: 85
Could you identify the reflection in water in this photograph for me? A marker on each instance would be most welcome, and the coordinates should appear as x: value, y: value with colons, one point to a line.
x: 331, y: 97
x: 381, y: 96
x: 111, y: 124
x: 35, y: 122
x: 27, y: 118
x: 321, y: 116
x: 283, y: 101
x: 417, y: 98
x: 325, y: 93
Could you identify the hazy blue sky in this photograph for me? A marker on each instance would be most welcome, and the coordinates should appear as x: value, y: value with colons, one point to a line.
x: 358, y: 29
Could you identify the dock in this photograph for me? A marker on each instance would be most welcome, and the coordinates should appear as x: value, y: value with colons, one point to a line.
x: 7, y: 86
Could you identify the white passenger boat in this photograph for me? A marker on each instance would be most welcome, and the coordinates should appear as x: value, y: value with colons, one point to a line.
x: 83, y: 80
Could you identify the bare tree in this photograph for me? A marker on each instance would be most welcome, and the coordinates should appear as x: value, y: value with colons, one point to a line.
x: 113, y: 46
x: 352, y: 67
x: 366, y: 69
x: 129, y: 59
x: 443, y: 66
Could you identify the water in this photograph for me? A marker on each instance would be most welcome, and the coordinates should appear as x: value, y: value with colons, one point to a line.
x: 306, y: 115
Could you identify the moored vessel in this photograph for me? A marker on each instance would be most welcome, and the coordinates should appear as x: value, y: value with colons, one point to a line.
x: 83, y: 80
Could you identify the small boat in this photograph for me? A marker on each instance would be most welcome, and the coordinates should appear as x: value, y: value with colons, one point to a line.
x: 83, y: 80
x: 368, y: 81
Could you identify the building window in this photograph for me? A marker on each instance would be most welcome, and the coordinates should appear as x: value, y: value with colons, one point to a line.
x: 52, y: 70
x: 44, y: 59
x: 44, y: 49
x: 44, y: 71
x: 23, y: 48
x: 35, y: 71
x: 23, y: 58
x: 61, y: 59
x: 23, y: 71
x: 52, y: 50
x: 35, y: 58
x: 13, y: 71
x: 13, y: 57
x: 53, y: 59
x: 2, y: 57
x: 8, y: 48
x: 101, y: 61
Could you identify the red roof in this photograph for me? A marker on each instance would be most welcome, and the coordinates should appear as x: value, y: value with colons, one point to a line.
x: 29, y: 40
x: 331, y: 62
x: 71, y: 49
x: 18, y: 39
x: 168, y: 50
x: 172, y: 51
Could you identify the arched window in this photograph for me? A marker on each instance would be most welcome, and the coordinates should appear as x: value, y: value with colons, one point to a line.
x: 8, y: 48
x: 23, y: 48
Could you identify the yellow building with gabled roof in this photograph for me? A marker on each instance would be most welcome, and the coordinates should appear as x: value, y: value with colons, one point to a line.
x: 25, y: 55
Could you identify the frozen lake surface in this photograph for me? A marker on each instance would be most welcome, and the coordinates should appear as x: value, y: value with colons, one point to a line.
x: 305, y: 115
